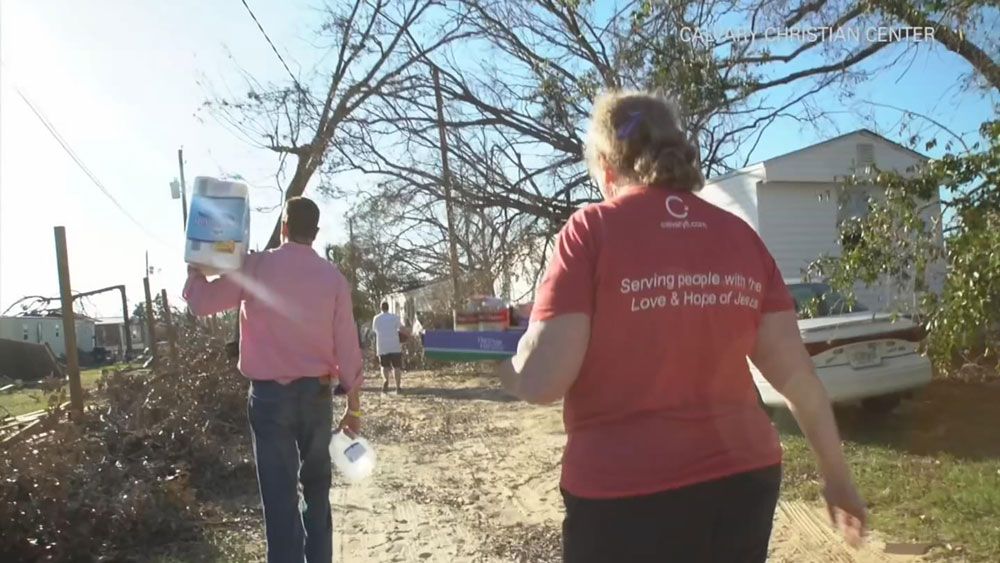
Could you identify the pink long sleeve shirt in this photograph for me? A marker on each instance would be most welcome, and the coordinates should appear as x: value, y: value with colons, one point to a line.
x: 296, y: 317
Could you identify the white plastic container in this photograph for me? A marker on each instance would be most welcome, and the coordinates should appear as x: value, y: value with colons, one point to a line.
x: 218, y: 228
x: 353, y: 457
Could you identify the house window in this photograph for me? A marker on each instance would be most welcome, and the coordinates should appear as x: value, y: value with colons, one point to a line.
x: 24, y: 328
x: 854, y: 204
x: 865, y: 158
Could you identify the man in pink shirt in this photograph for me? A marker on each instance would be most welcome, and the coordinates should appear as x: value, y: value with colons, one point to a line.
x: 298, y: 342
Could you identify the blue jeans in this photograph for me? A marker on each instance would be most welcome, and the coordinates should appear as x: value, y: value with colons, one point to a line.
x: 292, y: 426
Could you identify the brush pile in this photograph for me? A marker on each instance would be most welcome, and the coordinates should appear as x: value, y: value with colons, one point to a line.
x: 137, y: 470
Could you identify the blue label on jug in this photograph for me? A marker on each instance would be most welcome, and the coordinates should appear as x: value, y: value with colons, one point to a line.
x: 216, y: 219
x: 354, y: 452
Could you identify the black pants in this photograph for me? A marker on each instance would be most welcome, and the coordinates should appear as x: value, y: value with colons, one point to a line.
x: 391, y: 361
x: 724, y: 521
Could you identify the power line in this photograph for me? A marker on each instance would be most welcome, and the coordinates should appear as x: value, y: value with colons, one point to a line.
x: 273, y: 48
x: 65, y: 145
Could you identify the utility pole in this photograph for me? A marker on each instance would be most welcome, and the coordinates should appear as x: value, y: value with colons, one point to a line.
x: 150, y: 322
x: 184, y: 205
x: 69, y: 326
x: 446, y: 185
x: 127, y: 353
x: 171, y: 330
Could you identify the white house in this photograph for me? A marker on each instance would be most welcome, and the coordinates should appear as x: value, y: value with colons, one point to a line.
x: 48, y: 330
x: 435, y: 296
x: 431, y: 298
x: 795, y: 201
x: 110, y: 334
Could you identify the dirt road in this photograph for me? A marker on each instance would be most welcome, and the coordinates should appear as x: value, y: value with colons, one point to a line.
x: 467, y: 475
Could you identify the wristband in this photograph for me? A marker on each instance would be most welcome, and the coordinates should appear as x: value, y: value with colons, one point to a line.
x: 355, y: 414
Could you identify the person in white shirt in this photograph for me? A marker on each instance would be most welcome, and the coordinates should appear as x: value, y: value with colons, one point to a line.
x: 387, y: 328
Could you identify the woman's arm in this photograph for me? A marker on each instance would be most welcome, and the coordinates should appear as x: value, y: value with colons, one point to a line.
x: 548, y: 359
x: 782, y: 359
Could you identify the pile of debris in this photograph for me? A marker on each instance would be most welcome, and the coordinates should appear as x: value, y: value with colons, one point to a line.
x: 27, y: 361
x: 136, y: 471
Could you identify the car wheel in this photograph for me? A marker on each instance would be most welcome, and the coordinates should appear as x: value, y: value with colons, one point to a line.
x: 881, y: 405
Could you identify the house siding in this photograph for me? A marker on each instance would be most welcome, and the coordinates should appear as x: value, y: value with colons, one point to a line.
x: 798, y: 223
x: 47, y: 330
x: 795, y: 206
x: 836, y: 160
x: 737, y: 194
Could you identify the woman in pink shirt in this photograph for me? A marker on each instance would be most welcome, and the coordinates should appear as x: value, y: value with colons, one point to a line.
x: 651, y: 305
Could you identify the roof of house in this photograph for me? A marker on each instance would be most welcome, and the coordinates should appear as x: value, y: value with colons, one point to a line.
x: 51, y: 315
x: 866, y: 132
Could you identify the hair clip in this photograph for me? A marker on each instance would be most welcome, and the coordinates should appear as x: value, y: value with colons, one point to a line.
x: 629, y: 126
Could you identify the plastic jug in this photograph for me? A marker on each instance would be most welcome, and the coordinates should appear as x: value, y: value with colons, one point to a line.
x: 218, y: 228
x: 353, y: 457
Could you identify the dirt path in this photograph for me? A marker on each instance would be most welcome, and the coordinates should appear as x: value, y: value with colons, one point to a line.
x: 464, y: 474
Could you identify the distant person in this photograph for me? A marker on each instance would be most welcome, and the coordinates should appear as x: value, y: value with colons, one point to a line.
x: 388, y: 328
x: 298, y: 343
x: 417, y: 330
x: 644, y: 320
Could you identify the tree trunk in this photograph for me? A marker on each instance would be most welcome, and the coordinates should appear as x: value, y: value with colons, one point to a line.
x: 303, y: 172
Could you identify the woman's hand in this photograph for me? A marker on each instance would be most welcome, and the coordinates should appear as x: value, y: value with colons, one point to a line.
x: 847, y: 511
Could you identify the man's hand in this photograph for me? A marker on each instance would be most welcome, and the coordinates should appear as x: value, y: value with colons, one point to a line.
x: 847, y: 511
x: 350, y: 424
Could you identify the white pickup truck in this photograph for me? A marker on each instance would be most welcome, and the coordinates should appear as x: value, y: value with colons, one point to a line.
x: 859, y: 355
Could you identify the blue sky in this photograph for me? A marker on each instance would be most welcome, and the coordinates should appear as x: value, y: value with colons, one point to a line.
x: 119, y: 79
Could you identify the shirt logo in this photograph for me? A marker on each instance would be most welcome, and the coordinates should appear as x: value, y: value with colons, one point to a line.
x: 679, y: 211
x: 675, y: 203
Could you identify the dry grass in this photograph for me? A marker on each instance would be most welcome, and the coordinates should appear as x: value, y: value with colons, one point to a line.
x: 29, y: 399
x: 930, y: 472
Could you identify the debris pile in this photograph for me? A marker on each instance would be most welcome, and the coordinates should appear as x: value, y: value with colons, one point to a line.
x: 134, y: 473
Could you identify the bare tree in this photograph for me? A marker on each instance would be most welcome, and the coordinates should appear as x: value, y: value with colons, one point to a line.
x: 966, y: 28
x: 374, y: 43
x: 517, y: 108
x: 405, y: 220
x: 518, y: 91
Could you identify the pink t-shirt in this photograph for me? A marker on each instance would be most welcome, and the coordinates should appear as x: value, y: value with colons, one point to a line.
x: 675, y: 289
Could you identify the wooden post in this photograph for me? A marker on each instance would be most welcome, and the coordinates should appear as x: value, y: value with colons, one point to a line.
x: 171, y: 330
x: 446, y: 186
x: 127, y: 355
x: 69, y: 326
x: 150, y: 322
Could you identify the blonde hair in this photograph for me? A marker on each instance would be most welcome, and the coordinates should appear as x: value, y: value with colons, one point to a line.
x: 640, y: 136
